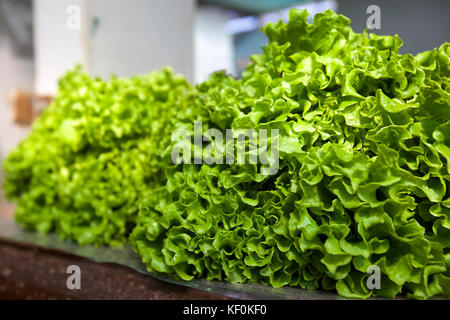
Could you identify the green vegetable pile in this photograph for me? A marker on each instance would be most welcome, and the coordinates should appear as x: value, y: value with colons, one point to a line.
x: 362, y: 178
x: 93, y: 154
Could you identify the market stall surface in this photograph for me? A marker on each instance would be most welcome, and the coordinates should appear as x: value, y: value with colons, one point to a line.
x: 38, y: 266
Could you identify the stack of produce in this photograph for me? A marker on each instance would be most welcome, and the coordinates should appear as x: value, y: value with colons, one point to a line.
x: 93, y: 154
x: 360, y: 180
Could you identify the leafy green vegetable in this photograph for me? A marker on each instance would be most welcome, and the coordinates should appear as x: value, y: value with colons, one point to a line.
x: 362, y: 177
x: 92, y: 155
x: 363, y: 174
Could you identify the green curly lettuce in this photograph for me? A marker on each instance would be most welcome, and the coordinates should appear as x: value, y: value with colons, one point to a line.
x: 92, y: 155
x: 362, y: 178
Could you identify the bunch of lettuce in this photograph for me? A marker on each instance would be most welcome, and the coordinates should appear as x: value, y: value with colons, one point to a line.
x: 363, y: 174
x: 92, y: 155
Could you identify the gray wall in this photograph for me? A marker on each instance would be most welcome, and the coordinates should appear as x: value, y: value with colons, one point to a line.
x: 139, y: 36
x: 422, y: 24
x: 115, y: 36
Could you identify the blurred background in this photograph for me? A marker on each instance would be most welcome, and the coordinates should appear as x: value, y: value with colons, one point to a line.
x: 41, y: 39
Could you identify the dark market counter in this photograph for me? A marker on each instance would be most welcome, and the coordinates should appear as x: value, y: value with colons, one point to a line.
x: 42, y: 266
x: 29, y: 271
